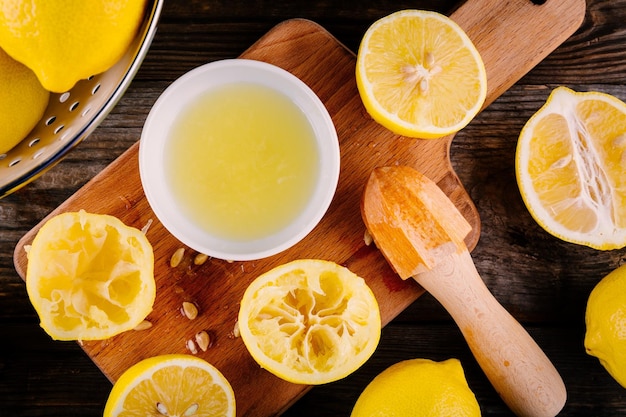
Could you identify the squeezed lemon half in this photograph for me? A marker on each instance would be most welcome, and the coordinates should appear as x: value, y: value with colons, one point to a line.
x: 310, y: 321
x: 90, y: 276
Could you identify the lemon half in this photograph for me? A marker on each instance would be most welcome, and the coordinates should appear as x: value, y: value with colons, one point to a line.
x: 569, y: 164
x: 90, y: 276
x: 310, y: 321
x: 171, y: 385
x: 420, y: 75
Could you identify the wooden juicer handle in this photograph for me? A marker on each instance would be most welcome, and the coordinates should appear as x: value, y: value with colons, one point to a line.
x: 420, y: 232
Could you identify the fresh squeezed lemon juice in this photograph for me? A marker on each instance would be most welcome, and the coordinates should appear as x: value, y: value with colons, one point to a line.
x: 242, y: 160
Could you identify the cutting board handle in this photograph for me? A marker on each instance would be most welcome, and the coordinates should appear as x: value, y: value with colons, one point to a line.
x: 513, y: 36
x: 518, y: 369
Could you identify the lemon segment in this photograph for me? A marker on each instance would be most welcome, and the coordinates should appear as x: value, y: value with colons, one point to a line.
x: 89, y: 276
x: 569, y: 168
x: 605, y: 321
x: 418, y: 387
x: 309, y: 321
x: 171, y: 385
x: 64, y: 41
x: 419, y: 74
x: 23, y: 101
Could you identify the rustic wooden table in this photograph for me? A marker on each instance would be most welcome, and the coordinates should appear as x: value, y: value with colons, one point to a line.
x: 542, y: 281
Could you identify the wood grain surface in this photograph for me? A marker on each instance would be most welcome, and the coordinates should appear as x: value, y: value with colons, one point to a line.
x: 311, y: 53
x: 543, y: 282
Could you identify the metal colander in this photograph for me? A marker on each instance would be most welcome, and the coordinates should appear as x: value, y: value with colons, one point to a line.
x: 72, y: 116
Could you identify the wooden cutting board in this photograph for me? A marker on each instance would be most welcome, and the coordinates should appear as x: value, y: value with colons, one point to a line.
x: 512, y: 36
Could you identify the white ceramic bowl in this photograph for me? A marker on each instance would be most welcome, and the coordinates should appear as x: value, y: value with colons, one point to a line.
x: 155, y: 135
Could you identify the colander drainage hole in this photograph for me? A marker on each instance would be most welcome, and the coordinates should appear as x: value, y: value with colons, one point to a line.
x: 50, y: 120
x: 14, y: 162
x: 95, y: 89
x: 58, y: 129
x: 74, y: 105
x: 34, y: 142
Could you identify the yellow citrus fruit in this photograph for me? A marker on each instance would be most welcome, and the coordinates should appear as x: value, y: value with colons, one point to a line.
x: 605, y: 320
x: 418, y: 387
x: 310, y: 321
x: 22, y: 101
x: 171, y: 385
x: 89, y: 276
x: 419, y: 74
x: 569, y: 165
x: 64, y: 41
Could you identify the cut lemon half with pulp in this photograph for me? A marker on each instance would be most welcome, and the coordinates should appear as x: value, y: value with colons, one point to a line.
x: 310, y: 321
x: 171, y: 385
x: 420, y: 75
x: 90, y: 276
x: 570, y: 167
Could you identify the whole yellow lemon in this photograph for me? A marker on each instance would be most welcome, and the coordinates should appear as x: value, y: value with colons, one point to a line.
x: 22, y: 101
x: 605, y: 319
x: 64, y: 41
x: 418, y: 387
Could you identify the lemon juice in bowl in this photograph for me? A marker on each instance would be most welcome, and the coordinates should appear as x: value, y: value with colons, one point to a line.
x: 242, y: 161
x: 239, y: 159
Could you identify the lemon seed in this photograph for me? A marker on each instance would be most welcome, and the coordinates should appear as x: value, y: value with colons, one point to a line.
x: 162, y: 409
x: 192, y: 410
x: 367, y: 238
x: 177, y: 256
x: 200, y: 259
x: 191, y: 346
x: 203, y: 340
x: 190, y: 310
x: 143, y: 325
x: 429, y: 59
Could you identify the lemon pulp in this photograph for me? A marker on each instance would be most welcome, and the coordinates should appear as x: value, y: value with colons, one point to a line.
x: 309, y: 321
x: 242, y: 161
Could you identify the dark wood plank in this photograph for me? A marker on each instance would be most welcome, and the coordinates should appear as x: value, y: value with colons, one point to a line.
x: 542, y: 281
